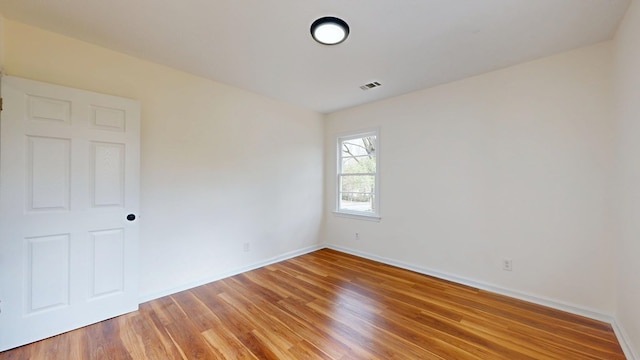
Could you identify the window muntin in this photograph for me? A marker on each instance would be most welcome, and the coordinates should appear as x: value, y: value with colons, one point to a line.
x: 357, y: 178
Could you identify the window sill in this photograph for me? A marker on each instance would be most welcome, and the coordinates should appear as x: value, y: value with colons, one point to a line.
x: 375, y: 218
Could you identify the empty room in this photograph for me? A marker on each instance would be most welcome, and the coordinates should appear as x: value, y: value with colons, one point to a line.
x: 413, y: 179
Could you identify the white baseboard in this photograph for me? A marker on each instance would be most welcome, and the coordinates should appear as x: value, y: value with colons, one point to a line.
x: 148, y: 297
x: 574, y: 309
x: 624, y: 340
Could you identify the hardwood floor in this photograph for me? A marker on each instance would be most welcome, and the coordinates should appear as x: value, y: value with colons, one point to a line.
x: 330, y: 305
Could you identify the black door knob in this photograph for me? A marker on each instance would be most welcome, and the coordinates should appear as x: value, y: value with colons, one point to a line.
x: 131, y: 217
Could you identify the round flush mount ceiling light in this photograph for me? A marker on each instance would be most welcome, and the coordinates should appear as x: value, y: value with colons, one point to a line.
x: 329, y: 30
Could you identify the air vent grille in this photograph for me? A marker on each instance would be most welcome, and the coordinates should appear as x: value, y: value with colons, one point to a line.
x: 370, y: 85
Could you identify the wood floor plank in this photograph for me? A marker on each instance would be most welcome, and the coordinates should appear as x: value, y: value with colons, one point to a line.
x: 334, y: 306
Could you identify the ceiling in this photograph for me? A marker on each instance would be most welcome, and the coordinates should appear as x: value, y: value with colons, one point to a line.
x: 266, y: 47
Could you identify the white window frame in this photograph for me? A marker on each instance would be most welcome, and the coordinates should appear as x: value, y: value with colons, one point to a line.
x: 365, y: 215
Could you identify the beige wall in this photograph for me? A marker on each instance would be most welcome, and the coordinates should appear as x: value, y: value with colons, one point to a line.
x: 627, y: 90
x: 1, y: 41
x: 220, y: 166
x: 510, y: 164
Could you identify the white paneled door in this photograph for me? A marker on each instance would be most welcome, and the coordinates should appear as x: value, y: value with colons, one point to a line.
x: 69, y: 198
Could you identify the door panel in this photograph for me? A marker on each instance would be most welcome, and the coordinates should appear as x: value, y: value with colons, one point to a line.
x: 107, y: 262
x: 48, y: 163
x: 108, y: 174
x: 108, y: 118
x: 48, y: 273
x: 69, y: 175
x: 50, y: 110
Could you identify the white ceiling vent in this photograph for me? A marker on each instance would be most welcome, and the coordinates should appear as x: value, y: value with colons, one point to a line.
x: 370, y: 85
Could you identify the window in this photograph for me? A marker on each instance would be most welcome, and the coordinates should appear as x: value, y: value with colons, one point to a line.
x: 357, y: 175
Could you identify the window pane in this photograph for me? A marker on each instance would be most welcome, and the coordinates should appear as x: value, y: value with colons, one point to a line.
x: 359, y: 165
x: 357, y: 169
x: 357, y: 183
x: 359, y: 146
x: 356, y: 202
x: 353, y: 147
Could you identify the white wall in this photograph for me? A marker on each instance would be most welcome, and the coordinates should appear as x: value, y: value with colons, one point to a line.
x: 511, y: 164
x: 627, y: 91
x: 220, y: 166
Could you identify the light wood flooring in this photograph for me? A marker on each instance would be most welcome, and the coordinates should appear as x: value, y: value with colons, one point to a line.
x: 330, y: 305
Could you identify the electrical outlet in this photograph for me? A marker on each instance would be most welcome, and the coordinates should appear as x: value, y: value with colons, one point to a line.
x: 357, y: 236
x: 507, y: 265
x: 246, y: 247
